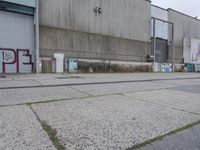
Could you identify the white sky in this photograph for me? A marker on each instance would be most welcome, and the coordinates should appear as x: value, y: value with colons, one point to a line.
x: 190, y: 7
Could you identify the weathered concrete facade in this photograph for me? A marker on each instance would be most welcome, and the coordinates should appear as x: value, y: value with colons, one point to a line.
x: 90, y: 46
x: 121, y: 32
x: 119, y: 18
x: 108, y: 33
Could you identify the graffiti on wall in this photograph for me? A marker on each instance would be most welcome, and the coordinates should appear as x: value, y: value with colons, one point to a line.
x: 196, y: 55
x: 166, y: 67
x: 16, y: 61
x: 195, y: 50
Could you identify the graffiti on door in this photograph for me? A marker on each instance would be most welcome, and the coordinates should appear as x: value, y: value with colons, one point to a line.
x: 16, y: 61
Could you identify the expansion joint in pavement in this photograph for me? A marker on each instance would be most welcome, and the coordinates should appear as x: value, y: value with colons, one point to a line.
x: 178, y: 109
x: 52, y: 133
x: 58, y: 100
x: 159, y: 138
x: 38, y: 82
x: 194, y: 113
x: 148, y: 90
x: 80, y: 91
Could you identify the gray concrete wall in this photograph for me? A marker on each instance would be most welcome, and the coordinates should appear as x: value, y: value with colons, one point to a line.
x: 91, y: 46
x: 184, y: 26
x: 120, y: 18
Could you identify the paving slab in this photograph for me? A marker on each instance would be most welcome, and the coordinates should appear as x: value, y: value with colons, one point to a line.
x: 182, y: 82
x: 176, y: 99
x: 15, y: 83
x: 188, y: 88
x: 91, y: 78
x: 60, y: 79
x: 20, y: 130
x: 102, y: 89
x: 186, y: 140
x: 27, y: 95
x: 109, y: 122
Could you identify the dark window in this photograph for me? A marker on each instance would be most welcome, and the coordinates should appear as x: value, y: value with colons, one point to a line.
x: 16, y: 8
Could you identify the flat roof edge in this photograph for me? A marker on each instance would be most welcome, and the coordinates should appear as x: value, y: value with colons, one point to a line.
x: 184, y: 14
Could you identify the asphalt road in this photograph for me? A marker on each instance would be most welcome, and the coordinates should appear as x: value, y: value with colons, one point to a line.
x: 188, y: 139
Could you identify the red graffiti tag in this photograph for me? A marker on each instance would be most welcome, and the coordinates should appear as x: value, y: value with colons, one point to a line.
x: 12, y: 56
x: 8, y: 60
x: 26, y: 53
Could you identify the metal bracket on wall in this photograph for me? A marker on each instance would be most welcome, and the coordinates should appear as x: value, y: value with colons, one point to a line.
x: 98, y: 10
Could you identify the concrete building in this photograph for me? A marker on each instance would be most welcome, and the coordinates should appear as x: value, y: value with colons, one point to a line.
x: 181, y: 34
x: 92, y: 36
x: 120, y: 32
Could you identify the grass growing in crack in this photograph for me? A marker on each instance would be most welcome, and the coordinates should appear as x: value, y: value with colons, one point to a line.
x: 52, y: 133
x: 159, y: 138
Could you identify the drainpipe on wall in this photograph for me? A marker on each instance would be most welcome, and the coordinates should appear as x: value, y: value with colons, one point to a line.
x: 173, y: 55
x: 154, y: 39
x: 37, y: 37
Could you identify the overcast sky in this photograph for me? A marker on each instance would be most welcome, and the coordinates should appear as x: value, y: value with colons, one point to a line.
x: 190, y: 7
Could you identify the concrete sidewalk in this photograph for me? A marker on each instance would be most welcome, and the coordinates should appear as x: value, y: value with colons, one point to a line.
x: 113, y: 116
x: 39, y: 80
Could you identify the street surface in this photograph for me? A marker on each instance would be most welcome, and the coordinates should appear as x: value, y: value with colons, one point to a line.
x: 100, y: 111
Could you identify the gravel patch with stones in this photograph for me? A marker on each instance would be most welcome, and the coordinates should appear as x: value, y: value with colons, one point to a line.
x: 20, y: 130
x: 109, y: 122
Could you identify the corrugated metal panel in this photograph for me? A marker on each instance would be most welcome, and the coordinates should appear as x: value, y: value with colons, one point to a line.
x: 31, y: 3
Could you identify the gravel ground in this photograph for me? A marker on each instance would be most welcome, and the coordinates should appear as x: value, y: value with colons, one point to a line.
x: 109, y: 122
x: 20, y: 130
